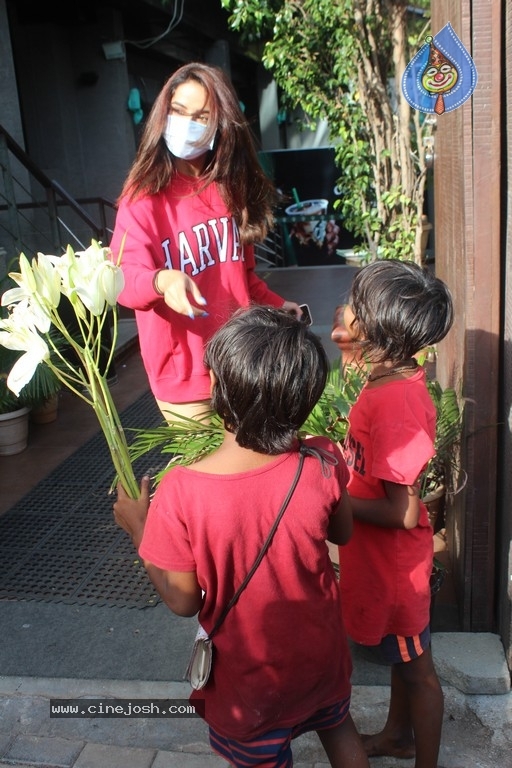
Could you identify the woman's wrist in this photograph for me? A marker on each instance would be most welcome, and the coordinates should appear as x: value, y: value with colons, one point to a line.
x: 158, y: 290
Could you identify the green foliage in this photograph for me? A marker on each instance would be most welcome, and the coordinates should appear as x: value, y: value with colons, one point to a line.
x: 184, y: 441
x: 329, y: 417
x: 444, y: 468
x: 252, y: 19
x: 188, y: 440
x: 342, y: 61
x: 8, y: 401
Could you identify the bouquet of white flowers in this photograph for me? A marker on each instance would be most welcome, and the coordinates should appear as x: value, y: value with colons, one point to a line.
x: 91, y: 282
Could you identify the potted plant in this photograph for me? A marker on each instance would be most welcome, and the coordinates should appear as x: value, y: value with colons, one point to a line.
x: 443, y: 472
x: 15, y: 411
x: 37, y: 394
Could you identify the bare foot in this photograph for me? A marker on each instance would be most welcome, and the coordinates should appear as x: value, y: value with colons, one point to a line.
x: 377, y: 745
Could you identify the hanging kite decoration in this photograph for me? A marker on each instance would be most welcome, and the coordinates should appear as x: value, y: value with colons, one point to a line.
x: 441, y: 76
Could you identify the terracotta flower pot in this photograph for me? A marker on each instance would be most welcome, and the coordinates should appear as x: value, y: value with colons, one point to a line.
x: 46, y: 412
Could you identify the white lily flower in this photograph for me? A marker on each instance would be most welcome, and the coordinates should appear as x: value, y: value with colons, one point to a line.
x: 47, y: 280
x: 91, y: 298
x: 27, y: 275
x: 38, y: 291
x: 110, y: 281
x: 14, y: 295
x: 65, y: 265
x: 67, y: 268
x: 86, y: 263
x: 36, y: 351
x: 91, y: 277
x: 23, y: 370
x: 93, y: 255
x: 19, y: 330
x: 26, y: 284
x: 28, y: 313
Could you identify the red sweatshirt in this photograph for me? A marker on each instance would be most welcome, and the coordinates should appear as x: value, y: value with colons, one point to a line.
x: 195, y: 233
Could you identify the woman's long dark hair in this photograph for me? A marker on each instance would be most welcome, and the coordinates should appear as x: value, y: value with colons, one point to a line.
x: 233, y: 163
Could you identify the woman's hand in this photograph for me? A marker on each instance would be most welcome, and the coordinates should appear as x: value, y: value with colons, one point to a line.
x: 130, y: 514
x: 291, y: 306
x: 175, y: 287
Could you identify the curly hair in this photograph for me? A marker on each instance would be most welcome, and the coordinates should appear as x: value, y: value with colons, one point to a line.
x: 270, y: 371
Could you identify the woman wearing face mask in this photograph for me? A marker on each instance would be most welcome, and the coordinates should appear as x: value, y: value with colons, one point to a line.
x: 193, y: 204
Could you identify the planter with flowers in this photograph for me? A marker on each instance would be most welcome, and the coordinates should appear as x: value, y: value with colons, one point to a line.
x: 13, y: 419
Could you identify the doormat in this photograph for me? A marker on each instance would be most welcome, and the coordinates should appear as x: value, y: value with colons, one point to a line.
x: 60, y: 544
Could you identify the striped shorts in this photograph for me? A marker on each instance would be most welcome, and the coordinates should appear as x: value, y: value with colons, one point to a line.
x: 394, y: 649
x: 273, y: 749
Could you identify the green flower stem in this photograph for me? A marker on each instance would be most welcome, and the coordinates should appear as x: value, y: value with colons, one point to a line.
x: 110, y: 423
x: 114, y: 339
x: 108, y: 417
x: 99, y: 397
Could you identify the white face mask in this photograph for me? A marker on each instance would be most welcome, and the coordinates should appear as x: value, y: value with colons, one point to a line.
x: 181, y: 135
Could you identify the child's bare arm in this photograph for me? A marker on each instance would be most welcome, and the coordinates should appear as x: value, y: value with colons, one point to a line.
x: 400, y: 508
x: 340, y: 524
x: 179, y: 590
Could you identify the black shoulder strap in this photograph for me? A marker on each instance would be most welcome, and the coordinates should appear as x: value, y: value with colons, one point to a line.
x: 304, y: 450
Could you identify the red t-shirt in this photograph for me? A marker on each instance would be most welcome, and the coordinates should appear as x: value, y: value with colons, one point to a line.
x: 183, y: 229
x: 385, y: 572
x: 282, y: 652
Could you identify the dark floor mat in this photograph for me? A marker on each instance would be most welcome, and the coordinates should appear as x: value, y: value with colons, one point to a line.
x: 60, y: 543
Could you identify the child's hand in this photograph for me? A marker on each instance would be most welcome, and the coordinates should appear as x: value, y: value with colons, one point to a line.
x: 130, y: 514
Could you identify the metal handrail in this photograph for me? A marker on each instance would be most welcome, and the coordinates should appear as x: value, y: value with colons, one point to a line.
x: 56, y: 197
